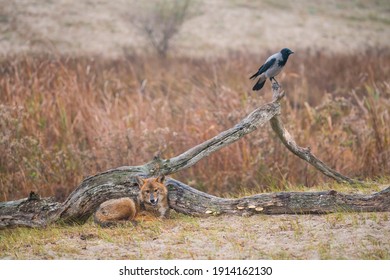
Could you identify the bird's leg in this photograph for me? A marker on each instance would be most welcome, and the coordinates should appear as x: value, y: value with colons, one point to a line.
x: 275, y: 86
x: 273, y: 78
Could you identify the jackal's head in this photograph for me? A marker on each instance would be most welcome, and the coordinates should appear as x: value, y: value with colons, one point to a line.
x: 152, y: 190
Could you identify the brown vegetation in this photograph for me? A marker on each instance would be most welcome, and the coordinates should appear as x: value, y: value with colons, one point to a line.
x: 62, y: 119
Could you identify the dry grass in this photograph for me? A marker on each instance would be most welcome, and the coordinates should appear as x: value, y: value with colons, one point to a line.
x: 62, y: 119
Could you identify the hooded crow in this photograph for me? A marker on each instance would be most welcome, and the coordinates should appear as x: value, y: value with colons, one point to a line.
x: 272, y: 67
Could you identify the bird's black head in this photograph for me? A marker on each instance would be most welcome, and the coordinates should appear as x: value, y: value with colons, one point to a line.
x: 286, y: 52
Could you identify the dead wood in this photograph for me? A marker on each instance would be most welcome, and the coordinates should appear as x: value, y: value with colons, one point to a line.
x: 120, y: 182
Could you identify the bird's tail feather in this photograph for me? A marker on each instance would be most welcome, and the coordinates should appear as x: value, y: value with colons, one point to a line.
x: 254, y: 75
x: 259, y: 85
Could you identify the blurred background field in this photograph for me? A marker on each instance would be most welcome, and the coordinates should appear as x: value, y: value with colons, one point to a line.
x: 211, y: 27
x: 82, y: 90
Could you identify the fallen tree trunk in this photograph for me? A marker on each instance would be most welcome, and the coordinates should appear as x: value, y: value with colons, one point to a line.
x: 29, y: 212
x: 185, y: 199
x: 120, y: 182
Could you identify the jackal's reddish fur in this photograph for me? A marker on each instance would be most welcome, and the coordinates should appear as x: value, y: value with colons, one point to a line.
x: 152, y: 198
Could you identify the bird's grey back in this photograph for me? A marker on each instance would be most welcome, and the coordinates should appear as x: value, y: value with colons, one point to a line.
x: 278, y: 56
x: 275, y: 68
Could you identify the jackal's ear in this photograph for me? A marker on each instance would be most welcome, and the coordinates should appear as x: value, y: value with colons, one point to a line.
x: 140, y: 182
x: 160, y: 179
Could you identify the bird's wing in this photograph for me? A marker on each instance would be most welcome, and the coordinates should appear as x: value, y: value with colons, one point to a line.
x: 264, y: 67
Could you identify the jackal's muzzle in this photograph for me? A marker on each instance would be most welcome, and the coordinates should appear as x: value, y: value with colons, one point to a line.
x: 153, y: 199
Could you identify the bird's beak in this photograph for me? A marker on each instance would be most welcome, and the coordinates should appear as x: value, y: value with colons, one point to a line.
x: 291, y: 52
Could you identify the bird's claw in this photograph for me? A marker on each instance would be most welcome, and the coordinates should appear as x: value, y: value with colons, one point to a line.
x: 275, y: 85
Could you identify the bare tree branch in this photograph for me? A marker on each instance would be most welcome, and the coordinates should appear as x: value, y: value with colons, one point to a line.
x: 305, y: 153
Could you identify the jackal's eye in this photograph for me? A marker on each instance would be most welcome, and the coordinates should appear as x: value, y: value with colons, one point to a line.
x: 155, y: 190
x: 147, y: 191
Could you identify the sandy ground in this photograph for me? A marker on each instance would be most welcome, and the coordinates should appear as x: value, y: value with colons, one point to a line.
x: 216, y: 27
x: 335, y: 236
x: 261, y: 237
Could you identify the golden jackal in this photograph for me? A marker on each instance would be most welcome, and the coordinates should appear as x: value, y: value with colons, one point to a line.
x: 153, y: 198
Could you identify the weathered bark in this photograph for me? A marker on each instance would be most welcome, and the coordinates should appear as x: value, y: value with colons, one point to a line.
x: 187, y: 200
x: 120, y: 182
x: 30, y: 212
